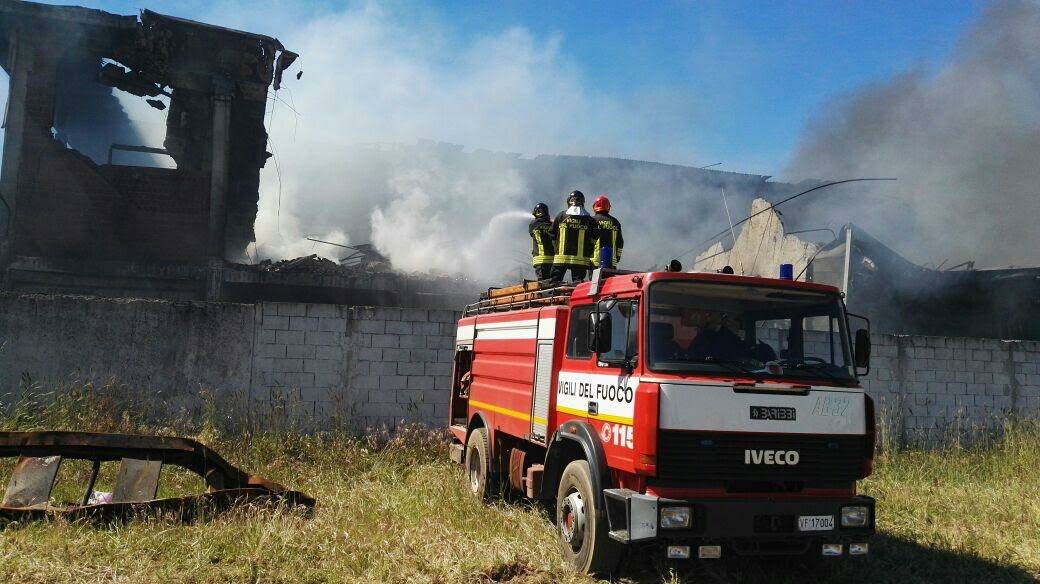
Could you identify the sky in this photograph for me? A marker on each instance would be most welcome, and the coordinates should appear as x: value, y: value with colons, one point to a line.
x: 720, y: 81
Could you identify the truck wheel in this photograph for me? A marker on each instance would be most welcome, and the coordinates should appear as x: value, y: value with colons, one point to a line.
x: 478, y: 464
x: 583, y: 532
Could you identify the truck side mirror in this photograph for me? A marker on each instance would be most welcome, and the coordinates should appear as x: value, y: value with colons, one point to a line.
x: 862, y: 349
x: 599, y: 332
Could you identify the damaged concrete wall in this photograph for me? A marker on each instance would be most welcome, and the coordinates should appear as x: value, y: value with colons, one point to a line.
x: 306, y: 364
x: 760, y: 248
x: 169, y: 348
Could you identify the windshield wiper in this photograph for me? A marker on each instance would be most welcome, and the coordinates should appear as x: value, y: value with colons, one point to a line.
x: 735, y: 365
x: 814, y: 367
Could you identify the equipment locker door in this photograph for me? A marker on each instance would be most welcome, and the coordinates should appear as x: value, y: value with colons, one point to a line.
x: 543, y: 360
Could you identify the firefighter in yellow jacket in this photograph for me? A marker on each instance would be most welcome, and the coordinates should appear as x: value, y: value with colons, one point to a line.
x: 575, y: 233
x: 543, y: 242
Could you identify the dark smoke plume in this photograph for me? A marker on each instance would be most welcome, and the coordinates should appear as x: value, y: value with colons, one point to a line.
x: 963, y: 140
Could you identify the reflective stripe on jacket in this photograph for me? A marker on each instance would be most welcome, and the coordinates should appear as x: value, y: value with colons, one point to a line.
x: 543, y: 244
x: 609, y: 233
x: 575, y: 239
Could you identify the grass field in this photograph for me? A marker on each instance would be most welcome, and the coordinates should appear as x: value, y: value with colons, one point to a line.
x: 393, y: 510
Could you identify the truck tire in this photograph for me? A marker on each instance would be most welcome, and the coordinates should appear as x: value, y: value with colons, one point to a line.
x: 583, y: 532
x: 478, y: 465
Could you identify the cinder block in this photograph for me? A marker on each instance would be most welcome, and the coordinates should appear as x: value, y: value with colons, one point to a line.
x: 303, y: 323
x: 287, y: 365
x: 329, y: 380
x: 983, y: 377
x: 292, y: 309
x: 386, y: 341
x: 386, y: 313
x: 286, y: 379
x: 322, y: 338
x: 413, y: 342
x: 364, y: 382
x: 397, y: 354
x: 328, y: 352
x: 924, y: 352
x: 331, y: 324
x: 440, y: 342
x: 377, y: 327
x: 410, y: 369
x: 420, y: 382
x: 441, y: 316
x: 957, y: 388
x: 936, y: 387
x: 273, y: 323
x: 398, y: 327
x: 321, y: 366
x: 267, y: 336
x: 393, y: 382
x: 414, y: 315
x: 945, y: 375
x: 269, y: 308
x: 323, y: 310
x: 410, y: 396
x: 369, y: 354
x: 300, y: 351
x: 290, y: 337
x: 446, y: 356
x: 380, y: 396
x: 383, y: 368
x: 271, y: 350
x: 423, y: 355
x: 924, y: 375
x: 982, y: 355
x: 430, y: 328
x: 436, y: 369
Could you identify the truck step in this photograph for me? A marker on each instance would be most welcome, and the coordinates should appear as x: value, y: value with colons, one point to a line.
x: 620, y: 535
x: 533, y: 480
x: 456, y: 453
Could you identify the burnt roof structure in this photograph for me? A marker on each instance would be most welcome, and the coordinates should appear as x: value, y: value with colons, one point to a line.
x: 63, y: 196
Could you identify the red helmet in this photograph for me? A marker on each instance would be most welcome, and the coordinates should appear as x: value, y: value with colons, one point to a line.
x: 601, y: 204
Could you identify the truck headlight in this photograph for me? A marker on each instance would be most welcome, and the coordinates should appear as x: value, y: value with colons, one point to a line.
x: 855, y: 516
x: 675, y: 517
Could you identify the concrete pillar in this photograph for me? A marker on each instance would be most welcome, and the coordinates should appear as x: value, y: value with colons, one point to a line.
x: 222, y: 97
x: 20, y: 63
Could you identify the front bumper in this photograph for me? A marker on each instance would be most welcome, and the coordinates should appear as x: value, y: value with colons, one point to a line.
x: 747, y: 525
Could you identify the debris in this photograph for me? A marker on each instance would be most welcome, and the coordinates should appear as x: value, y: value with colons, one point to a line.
x: 141, y: 459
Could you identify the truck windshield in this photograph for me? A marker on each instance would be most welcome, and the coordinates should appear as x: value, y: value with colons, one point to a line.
x: 753, y: 330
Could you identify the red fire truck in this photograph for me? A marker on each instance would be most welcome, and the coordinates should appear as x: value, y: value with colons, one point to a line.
x: 709, y: 413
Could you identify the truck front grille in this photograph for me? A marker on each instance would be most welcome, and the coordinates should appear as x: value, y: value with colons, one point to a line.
x: 714, y: 456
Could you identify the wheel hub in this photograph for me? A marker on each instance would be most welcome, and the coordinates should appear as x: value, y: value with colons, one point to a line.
x: 572, y: 522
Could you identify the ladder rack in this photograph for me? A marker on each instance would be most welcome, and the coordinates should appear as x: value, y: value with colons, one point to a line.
x: 525, y: 295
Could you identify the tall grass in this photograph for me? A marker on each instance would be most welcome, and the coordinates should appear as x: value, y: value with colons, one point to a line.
x: 391, y: 509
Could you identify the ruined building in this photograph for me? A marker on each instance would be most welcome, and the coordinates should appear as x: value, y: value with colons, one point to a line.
x: 73, y: 214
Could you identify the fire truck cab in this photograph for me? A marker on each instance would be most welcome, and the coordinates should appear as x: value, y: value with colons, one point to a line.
x: 713, y: 414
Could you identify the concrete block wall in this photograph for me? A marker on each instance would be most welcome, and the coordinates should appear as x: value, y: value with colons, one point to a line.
x: 323, y: 364
x: 936, y: 389
x: 364, y: 366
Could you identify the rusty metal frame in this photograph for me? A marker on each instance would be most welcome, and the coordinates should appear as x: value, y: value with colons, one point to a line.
x: 141, y: 460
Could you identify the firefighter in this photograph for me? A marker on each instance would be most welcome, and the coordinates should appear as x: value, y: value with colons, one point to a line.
x: 608, y: 233
x: 575, y: 233
x: 543, y: 242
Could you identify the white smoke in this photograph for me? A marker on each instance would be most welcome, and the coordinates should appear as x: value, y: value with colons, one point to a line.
x: 372, y: 79
x: 963, y: 140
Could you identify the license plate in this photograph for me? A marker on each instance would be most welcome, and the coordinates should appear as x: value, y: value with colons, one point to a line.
x: 815, y: 523
x: 772, y: 413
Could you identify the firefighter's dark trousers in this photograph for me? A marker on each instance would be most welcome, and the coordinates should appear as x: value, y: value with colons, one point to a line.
x: 544, y: 272
x: 577, y: 272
